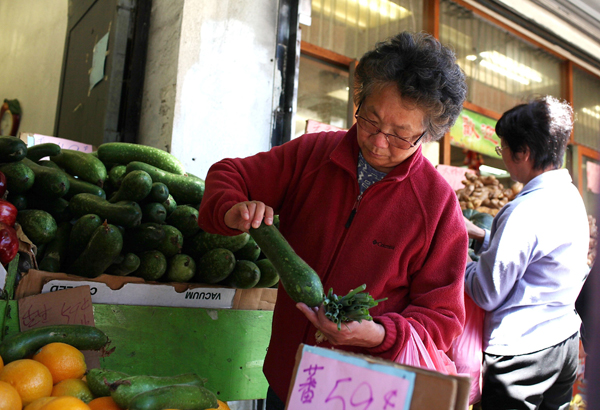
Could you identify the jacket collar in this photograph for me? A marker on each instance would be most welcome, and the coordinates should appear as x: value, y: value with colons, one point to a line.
x: 346, y: 156
x: 548, y: 178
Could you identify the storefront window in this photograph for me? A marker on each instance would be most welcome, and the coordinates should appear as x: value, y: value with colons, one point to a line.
x: 502, y: 69
x: 590, y: 181
x: 323, y: 94
x: 586, y: 103
x: 352, y: 27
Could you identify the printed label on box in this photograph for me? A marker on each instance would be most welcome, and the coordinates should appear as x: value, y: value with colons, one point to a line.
x: 141, y: 294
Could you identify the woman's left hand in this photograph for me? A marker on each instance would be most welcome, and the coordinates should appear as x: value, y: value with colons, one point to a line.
x: 364, y: 334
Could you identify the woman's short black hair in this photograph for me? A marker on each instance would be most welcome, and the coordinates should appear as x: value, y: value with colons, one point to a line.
x: 543, y: 125
x: 425, y: 72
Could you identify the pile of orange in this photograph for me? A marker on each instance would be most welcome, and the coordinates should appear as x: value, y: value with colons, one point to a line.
x: 53, y: 379
x: 50, y: 380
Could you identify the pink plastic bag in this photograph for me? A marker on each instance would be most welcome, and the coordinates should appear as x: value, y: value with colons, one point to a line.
x: 466, y: 350
x: 416, y: 354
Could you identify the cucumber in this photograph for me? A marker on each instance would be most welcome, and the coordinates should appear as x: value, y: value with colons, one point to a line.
x: 124, y: 153
x: 81, y: 233
x: 76, y: 185
x: 135, y: 186
x: 172, y: 243
x: 124, y: 267
x: 153, y: 266
x: 181, y: 397
x: 170, y: 204
x: 19, y: 177
x: 159, y: 192
x: 124, y: 390
x: 124, y: 213
x: 154, y: 212
x: 202, y: 242
x: 299, y: 280
x: 103, y: 247
x: 56, y: 250
x: 57, y: 207
x: 48, y: 182
x: 37, y: 152
x: 39, y: 226
x: 268, y: 274
x: 116, y: 174
x: 180, y: 268
x: 24, y: 344
x: 83, y: 165
x: 184, y: 218
x: 18, y: 200
x: 245, y: 275
x: 249, y: 252
x: 185, y: 189
x: 145, y: 237
x: 12, y: 149
x: 214, y: 266
x: 98, y: 380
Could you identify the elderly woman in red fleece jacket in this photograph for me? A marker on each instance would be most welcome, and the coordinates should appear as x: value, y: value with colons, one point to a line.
x: 362, y: 206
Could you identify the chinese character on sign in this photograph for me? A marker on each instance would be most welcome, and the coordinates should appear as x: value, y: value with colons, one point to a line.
x: 307, y: 387
x: 488, y: 132
x: 469, y: 127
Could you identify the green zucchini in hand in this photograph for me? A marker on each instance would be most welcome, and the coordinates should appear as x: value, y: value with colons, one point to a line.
x: 299, y: 280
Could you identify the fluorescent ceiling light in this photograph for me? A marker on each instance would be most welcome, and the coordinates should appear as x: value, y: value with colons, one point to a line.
x: 471, y: 57
x: 594, y: 114
x: 384, y: 8
x: 509, y: 68
x: 491, y: 170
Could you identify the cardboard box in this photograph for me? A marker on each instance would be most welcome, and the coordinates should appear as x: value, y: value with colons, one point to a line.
x: 130, y: 290
x: 336, y: 377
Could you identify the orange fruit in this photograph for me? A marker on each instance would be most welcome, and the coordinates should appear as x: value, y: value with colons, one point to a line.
x: 222, y: 406
x: 103, y: 403
x: 65, y: 403
x: 38, y: 403
x: 64, y: 361
x: 1, y: 363
x: 73, y: 387
x: 31, y: 379
x: 9, y: 397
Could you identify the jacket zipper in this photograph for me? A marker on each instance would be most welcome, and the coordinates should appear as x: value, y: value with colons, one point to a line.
x: 353, y: 212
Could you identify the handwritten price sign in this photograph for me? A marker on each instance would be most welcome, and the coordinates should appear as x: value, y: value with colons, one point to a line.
x: 330, y: 380
x: 65, y: 307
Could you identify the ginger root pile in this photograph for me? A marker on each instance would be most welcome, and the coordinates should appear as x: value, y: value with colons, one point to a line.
x: 485, y: 194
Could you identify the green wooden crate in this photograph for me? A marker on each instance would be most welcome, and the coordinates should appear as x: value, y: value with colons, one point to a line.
x: 225, y: 346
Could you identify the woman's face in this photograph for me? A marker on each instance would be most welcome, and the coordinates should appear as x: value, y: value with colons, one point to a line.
x: 386, y: 110
x: 515, y: 164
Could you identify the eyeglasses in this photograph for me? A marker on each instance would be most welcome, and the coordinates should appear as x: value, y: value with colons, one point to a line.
x: 393, y: 140
x: 499, y: 149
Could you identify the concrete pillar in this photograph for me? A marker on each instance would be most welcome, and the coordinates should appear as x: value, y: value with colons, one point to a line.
x: 210, y: 80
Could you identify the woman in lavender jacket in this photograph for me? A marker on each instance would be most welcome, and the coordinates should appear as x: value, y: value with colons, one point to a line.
x: 532, y: 266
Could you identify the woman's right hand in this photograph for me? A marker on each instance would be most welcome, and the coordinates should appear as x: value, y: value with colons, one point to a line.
x: 248, y: 214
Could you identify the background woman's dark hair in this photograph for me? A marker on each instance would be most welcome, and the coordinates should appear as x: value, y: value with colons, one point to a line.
x: 544, y: 125
x: 425, y: 72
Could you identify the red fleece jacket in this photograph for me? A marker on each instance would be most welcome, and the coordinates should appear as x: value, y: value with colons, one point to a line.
x: 407, y: 241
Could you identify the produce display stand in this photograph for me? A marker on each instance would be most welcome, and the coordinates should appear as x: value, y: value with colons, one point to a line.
x: 225, y: 346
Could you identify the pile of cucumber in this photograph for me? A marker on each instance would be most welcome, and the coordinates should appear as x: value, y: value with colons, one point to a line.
x: 125, y: 209
x: 143, y: 392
